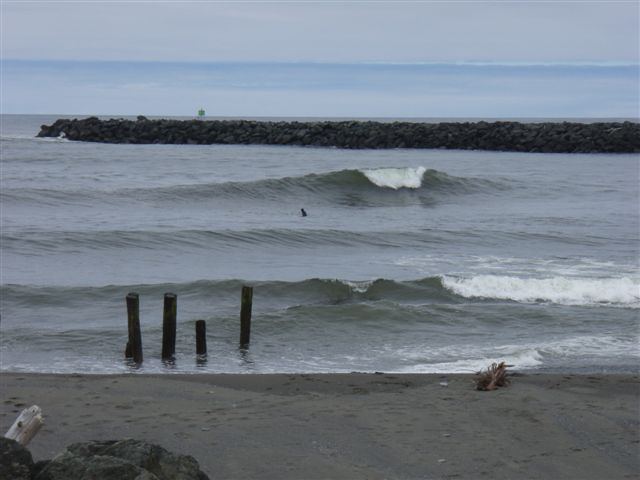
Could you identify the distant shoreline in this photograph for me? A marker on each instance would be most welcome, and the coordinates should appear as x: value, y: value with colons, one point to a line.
x: 544, y: 137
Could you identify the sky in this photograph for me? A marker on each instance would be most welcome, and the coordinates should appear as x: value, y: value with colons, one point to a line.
x: 322, y: 58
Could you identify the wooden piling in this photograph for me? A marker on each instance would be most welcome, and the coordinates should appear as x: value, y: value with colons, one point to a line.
x: 201, y: 338
x: 245, y: 316
x: 169, y: 326
x: 133, y: 318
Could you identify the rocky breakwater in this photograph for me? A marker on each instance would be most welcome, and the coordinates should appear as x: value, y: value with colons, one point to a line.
x: 565, y: 137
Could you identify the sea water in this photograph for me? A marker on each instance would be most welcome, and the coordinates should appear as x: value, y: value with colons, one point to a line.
x: 408, y: 260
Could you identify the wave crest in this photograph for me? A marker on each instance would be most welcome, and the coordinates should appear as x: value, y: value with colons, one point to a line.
x: 561, y: 290
x: 396, y: 178
x: 378, y: 186
x: 617, y: 292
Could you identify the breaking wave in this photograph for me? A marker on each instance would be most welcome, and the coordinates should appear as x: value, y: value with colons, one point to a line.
x: 380, y: 180
x: 622, y: 291
x: 396, y: 177
x: 380, y: 186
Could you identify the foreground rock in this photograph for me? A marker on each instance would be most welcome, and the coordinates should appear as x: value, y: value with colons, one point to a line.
x: 565, y: 137
x: 16, y: 462
x: 111, y: 460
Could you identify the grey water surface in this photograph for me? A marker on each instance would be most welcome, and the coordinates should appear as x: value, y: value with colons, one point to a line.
x: 408, y: 260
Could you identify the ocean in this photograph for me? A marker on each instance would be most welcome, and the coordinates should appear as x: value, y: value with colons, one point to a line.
x: 415, y: 261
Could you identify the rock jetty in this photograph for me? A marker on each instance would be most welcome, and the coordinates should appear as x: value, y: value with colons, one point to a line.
x: 564, y: 137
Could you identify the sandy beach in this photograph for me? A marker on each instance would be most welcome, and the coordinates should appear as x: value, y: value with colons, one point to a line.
x: 349, y: 426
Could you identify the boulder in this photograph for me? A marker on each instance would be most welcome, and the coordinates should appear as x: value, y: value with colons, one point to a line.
x: 120, y: 460
x: 67, y: 465
x: 16, y: 462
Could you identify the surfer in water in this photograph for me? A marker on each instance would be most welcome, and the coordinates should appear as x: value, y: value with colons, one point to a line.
x: 303, y: 213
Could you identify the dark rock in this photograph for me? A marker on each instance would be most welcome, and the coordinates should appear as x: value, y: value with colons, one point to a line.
x: 16, y: 462
x: 613, y: 137
x: 38, y: 467
x: 165, y: 465
x: 70, y: 466
x: 120, y: 460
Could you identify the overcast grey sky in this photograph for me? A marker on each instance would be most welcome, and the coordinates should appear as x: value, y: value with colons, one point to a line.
x: 325, y: 58
x: 512, y: 31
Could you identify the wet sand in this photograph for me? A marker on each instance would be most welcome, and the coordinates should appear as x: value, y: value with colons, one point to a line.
x: 348, y: 426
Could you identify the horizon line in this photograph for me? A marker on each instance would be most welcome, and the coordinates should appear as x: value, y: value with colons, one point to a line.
x: 213, y: 117
x: 461, y: 63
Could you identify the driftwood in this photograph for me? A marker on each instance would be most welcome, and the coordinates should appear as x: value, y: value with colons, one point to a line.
x: 495, y: 376
x: 26, y: 425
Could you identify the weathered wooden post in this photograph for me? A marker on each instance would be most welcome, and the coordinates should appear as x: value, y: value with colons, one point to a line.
x: 133, y: 317
x: 169, y: 326
x: 201, y: 338
x: 245, y: 316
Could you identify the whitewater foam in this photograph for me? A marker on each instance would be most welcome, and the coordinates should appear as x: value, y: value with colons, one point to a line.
x: 471, y: 358
x: 396, y: 178
x: 603, y: 346
x: 518, y: 357
x: 562, y: 290
x: 359, y: 286
x: 16, y: 136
